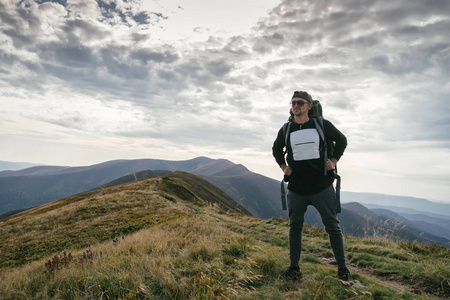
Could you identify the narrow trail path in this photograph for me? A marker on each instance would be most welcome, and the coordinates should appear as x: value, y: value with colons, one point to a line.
x: 393, y: 283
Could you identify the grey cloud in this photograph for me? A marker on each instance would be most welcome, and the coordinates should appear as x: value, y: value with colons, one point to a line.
x: 76, y: 121
x: 364, y: 41
x: 383, y: 35
x: 237, y: 45
x: 131, y: 70
x: 138, y: 37
x: 18, y: 24
x: 203, y: 69
x: 267, y: 44
x: 212, y: 133
x: 6, y: 17
x: 197, y: 129
x: 29, y: 76
x: 240, y: 102
x: 342, y: 103
x: 397, y: 13
x: 219, y: 68
x: 422, y: 116
x: 167, y: 75
x: 411, y: 60
x: 77, y: 57
x: 86, y: 30
x: 19, y: 39
x: 349, y: 23
x: 136, y: 73
x: 149, y: 55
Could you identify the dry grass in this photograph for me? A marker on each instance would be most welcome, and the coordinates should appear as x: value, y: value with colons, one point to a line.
x: 86, y: 221
x: 147, y: 246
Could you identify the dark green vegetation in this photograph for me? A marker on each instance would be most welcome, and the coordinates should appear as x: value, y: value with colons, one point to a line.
x: 178, y: 237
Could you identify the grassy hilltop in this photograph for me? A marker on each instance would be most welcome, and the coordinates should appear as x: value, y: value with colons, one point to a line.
x: 179, y: 237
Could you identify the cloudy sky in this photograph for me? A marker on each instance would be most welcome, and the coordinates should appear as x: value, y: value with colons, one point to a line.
x: 87, y: 81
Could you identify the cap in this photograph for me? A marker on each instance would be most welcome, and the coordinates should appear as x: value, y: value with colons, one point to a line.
x: 303, y: 95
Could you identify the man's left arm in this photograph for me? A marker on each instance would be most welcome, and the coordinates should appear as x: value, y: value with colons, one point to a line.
x: 340, y: 141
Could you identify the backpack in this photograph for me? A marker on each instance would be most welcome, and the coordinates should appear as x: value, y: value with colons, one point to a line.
x: 315, y: 113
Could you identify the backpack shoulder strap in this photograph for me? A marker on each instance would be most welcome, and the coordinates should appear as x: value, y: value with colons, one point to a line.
x: 286, y: 128
x: 318, y: 122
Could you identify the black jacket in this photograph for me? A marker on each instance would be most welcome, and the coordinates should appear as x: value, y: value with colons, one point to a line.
x: 305, y: 155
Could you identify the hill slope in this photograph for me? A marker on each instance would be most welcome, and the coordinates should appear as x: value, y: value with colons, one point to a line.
x: 92, y: 217
x: 178, y: 237
x: 38, y: 185
x: 252, y: 191
x: 258, y: 194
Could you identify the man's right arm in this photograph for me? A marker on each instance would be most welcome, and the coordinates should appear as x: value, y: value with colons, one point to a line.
x: 278, y: 152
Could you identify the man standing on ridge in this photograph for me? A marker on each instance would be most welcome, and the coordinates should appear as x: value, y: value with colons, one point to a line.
x: 308, y: 185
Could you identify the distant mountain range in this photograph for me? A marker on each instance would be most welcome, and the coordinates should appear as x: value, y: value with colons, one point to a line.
x: 13, y: 166
x: 41, y: 184
x: 410, y: 219
x: 358, y: 220
x: 399, y: 203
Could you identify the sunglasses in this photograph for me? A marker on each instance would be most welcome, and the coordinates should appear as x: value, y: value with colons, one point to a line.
x: 298, y: 102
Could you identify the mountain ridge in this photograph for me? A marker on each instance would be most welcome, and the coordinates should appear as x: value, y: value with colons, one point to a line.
x: 37, y: 186
x: 258, y: 194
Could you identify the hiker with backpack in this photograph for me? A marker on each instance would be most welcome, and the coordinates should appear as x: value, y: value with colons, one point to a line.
x: 313, y: 147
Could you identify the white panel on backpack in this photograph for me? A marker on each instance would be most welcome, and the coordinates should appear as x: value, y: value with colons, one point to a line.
x: 305, y: 144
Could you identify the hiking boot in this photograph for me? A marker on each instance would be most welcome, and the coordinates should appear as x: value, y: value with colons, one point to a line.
x: 344, y: 274
x: 293, y: 273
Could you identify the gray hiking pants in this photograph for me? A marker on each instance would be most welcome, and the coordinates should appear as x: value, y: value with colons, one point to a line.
x: 325, y: 204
